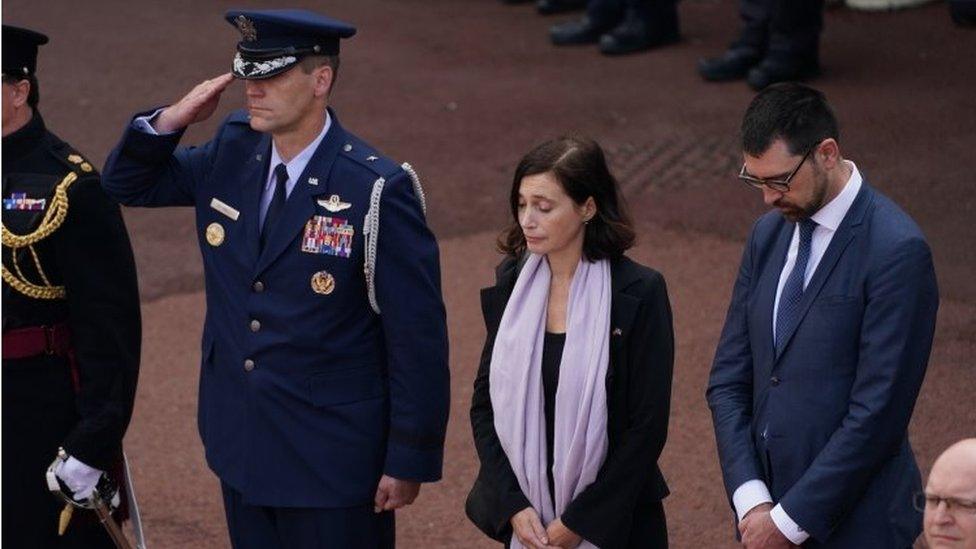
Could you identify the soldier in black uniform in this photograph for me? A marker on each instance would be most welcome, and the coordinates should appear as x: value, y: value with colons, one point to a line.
x: 71, y: 324
x: 622, y: 26
x: 779, y: 42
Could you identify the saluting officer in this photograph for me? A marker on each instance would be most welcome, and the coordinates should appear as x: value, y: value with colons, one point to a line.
x: 324, y: 380
x: 71, y: 329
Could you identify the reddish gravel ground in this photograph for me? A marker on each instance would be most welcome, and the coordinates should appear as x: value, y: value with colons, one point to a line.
x: 461, y: 88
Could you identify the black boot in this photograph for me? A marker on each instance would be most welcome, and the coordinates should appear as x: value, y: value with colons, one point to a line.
x: 636, y: 33
x: 734, y: 64
x: 581, y: 31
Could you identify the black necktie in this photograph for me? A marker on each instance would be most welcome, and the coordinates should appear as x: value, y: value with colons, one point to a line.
x: 277, y: 204
x: 789, y: 300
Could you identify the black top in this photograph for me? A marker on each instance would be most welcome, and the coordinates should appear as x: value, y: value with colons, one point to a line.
x: 618, y: 509
x: 90, y: 255
x: 552, y: 356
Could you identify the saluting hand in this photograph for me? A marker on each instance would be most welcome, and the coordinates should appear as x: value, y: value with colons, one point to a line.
x: 195, y: 106
x: 394, y: 493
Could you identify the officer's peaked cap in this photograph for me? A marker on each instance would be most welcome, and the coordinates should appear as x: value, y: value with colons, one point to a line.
x: 272, y: 41
x: 20, y: 50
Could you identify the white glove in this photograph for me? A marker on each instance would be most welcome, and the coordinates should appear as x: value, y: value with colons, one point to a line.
x: 78, y: 477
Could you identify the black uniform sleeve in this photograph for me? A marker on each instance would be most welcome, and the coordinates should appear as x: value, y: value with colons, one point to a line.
x: 605, y: 507
x: 97, y: 266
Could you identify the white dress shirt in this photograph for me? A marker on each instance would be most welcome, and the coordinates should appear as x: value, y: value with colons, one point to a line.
x: 828, y: 218
x: 295, y: 166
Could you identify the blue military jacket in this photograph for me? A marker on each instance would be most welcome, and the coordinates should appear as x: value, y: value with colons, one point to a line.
x: 307, y: 395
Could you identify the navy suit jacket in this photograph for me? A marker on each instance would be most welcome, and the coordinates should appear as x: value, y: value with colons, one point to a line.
x: 837, y: 398
x: 309, y: 405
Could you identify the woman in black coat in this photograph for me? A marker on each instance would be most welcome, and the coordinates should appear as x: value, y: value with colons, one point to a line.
x: 567, y: 210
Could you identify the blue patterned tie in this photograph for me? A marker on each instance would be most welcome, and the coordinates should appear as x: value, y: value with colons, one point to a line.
x: 789, y: 300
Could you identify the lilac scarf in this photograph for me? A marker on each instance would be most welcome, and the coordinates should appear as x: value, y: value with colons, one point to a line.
x: 515, y: 381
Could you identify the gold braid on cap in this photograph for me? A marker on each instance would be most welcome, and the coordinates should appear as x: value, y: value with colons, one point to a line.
x: 53, y: 219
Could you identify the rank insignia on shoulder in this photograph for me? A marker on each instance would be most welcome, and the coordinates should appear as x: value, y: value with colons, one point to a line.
x: 19, y: 201
x: 334, y: 204
x: 323, y: 283
x: 215, y: 234
x: 329, y: 236
x: 78, y: 159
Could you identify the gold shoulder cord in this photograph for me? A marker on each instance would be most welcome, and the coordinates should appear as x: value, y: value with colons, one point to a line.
x: 53, y: 219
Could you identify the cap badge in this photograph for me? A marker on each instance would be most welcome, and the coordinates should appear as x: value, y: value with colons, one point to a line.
x: 246, y: 26
x: 323, y: 283
x: 215, y: 234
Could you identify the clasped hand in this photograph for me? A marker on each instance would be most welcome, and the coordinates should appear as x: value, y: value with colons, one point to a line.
x: 760, y: 532
x: 527, y: 527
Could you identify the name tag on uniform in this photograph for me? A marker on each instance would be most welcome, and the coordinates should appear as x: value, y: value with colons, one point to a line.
x: 224, y: 209
x: 328, y: 235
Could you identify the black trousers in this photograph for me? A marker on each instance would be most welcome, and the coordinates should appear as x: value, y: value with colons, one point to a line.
x: 657, y: 13
x: 260, y: 527
x: 38, y: 412
x: 783, y: 29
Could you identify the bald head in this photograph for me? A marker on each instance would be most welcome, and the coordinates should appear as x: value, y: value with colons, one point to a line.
x: 953, y: 476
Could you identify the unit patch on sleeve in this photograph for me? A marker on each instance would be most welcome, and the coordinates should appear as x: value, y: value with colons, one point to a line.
x: 328, y: 235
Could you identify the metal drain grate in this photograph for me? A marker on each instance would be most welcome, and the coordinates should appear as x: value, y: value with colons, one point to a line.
x: 674, y: 162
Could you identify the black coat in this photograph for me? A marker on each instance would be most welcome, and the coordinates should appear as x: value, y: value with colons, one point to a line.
x: 622, y: 508
x: 90, y: 255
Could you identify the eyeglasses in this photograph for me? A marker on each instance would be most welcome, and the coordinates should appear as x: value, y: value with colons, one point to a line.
x: 779, y: 185
x: 924, y: 501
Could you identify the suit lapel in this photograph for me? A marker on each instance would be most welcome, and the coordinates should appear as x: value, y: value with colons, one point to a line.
x: 846, y: 233
x: 623, y: 311
x: 300, y: 205
x: 254, y: 175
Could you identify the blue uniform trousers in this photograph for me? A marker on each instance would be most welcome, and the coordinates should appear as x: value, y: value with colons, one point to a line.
x: 262, y: 527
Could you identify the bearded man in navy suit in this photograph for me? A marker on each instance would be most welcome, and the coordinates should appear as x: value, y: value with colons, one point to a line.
x: 825, y: 344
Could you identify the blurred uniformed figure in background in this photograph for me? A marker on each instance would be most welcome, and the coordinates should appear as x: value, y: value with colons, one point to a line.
x: 324, y: 380
x: 71, y: 325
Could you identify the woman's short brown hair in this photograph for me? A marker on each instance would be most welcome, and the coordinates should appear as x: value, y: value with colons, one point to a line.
x: 580, y: 167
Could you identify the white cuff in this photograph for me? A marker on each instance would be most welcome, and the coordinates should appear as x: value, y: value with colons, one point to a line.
x: 144, y: 123
x: 79, y: 478
x: 790, y: 529
x: 748, y: 495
